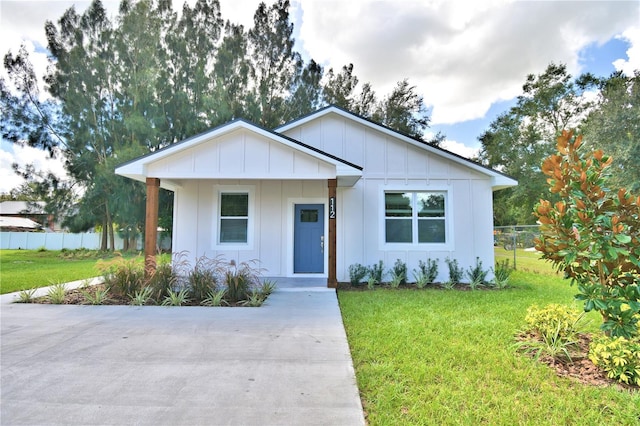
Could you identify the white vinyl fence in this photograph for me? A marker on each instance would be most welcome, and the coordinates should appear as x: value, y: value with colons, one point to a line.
x: 60, y: 240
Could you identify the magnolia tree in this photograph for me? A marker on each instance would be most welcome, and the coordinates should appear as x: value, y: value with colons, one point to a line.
x: 592, y: 234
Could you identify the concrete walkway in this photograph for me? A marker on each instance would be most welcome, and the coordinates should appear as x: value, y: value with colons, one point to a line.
x: 286, y: 363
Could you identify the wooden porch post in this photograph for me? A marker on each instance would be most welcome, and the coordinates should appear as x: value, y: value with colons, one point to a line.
x: 151, y: 226
x: 332, y: 281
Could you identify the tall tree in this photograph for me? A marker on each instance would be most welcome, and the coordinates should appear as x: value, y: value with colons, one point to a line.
x: 517, y: 141
x: 404, y: 110
x: 614, y: 126
x: 274, y: 63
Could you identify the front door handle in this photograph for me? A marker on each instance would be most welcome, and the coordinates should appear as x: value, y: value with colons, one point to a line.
x: 322, y: 243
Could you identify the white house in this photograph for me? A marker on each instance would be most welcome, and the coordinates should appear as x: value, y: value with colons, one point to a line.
x: 318, y: 194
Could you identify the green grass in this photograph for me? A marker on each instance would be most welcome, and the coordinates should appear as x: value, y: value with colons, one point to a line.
x: 447, y: 357
x: 25, y: 269
x: 526, y: 261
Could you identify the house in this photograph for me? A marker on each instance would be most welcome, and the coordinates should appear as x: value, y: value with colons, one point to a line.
x: 318, y: 194
x: 24, y: 216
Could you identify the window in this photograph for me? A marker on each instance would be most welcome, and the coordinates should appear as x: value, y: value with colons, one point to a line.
x: 415, y: 217
x: 234, y: 217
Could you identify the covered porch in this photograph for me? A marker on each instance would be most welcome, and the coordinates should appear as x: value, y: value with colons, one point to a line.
x: 279, y: 182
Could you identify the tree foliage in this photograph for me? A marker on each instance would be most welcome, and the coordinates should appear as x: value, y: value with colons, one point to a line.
x: 614, y: 125
x: 592, y: 233
x: 518, y: 140
x: 119, y: 87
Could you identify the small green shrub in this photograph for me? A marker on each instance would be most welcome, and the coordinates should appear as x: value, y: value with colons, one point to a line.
x: 176, y: 298
x: 357, y: 272
x: 142, y: 297
x: 57, y: 293
x: 618, y: 357
x: 123, y: 276
x: 98, y: 296
x: 399, y: 271
x: 455, y: 272
x: 396, y: 280
x: 376, y: 271
x: 254, y: 299
x: 477, y: 275
x: 429, y: 269
x: 546, y: 320
x: 240, y: 280
x: 371, y: 283
x: 162, y: 282
x: 26, y: 296
x: 421, y: 278
x: 41, y: 249
x: 215, y: 298
x: 553, y: 330
x: 202, y: 279
x: 268, y: 287
x: 448, y: 285
x: 501, y: 274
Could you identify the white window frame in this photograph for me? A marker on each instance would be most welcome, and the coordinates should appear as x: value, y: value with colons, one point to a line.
x: 234, y: 189
x: 448, y: 218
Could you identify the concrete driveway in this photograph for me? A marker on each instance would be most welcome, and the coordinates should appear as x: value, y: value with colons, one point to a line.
x: 285, y: 363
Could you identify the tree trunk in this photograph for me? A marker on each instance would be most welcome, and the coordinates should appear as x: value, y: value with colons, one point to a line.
x: 112, y: 237
x: 103, y: 243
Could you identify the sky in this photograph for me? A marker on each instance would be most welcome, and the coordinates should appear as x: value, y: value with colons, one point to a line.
x: 468, y: 59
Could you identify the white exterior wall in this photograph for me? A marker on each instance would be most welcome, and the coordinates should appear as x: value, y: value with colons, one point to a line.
x: 392, y: 164
x: 270, y: 215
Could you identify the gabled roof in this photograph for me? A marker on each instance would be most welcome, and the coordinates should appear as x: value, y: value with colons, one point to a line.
x: 346, y: 172
x: 499, y: 179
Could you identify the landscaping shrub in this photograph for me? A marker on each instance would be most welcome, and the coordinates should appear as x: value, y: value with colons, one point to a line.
x: 546, y: 320
x: 241, y: 279
x: 163, y: 281
x: 399, y: 272
x: 619, y: 357
x: 553, y: 330
x: 455, y: 272
x: 357, y: 272
x: 477, y: 275
x: 593, y: 234
x: 426, y: 272
x: 202, y: 279
x: 501, y: 274
x: 123, y: 276
x: 376, y: 272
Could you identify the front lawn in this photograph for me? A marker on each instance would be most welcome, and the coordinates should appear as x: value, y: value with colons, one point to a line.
x: 25, y: 269
x: 447, y: 357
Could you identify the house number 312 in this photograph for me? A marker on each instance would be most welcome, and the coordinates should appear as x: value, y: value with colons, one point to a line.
x: 332, y: 207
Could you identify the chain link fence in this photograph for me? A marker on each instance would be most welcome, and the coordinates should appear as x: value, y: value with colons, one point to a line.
x: 514, y: 241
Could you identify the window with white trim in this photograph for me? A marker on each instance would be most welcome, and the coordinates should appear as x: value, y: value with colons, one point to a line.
x: 234, y: 217
x: 415, y: 217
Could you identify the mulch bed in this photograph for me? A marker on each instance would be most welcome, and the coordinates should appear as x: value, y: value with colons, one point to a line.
x: 579, y: 368
x: 347, y: 286
x: 75, y: 297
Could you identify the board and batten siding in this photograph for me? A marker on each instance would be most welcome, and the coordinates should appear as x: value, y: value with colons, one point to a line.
x: 271, y: 211
x: 393, y: 164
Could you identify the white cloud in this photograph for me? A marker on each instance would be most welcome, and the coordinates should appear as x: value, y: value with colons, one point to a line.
x: 23, y: 155
x: 462, y: 56
x: 632, y: 63
x: 460, y: 148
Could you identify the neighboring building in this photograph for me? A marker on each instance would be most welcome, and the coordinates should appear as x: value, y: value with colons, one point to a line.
x: 321, y: 193
x: 31, y: 212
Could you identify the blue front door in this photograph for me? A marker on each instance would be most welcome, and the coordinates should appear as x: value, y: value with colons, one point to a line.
x: 308, y: 239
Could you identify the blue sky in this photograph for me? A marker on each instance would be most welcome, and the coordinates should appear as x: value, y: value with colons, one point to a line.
x: 467, y: 59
